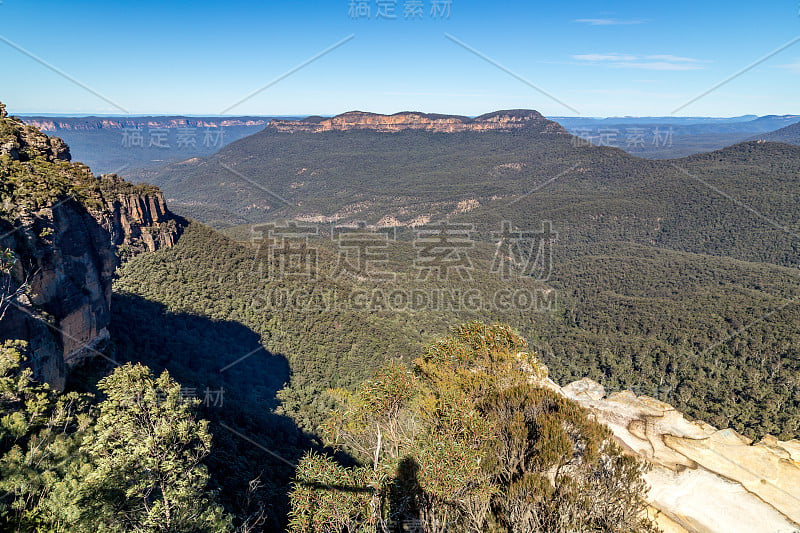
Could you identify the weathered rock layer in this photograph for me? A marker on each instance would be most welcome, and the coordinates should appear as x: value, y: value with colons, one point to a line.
x: 108, y: 123
x: 358, y: 120
x: 137, y: 217
x: 703, y: 479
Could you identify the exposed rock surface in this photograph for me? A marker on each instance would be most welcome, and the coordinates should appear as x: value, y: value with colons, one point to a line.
x: 23, y: 142
x: 137, y: 216
x: 703, y: 479
x: 358, y: 120
x: 65, y: 228
x: 68, y: 261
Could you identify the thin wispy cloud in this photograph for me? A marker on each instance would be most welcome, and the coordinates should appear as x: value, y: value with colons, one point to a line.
x: 609, y: 22
x: 659, y: 65
x: 605, y: 57
x: 663, y: 62
x: 671, y: 58
x: 792, y: 67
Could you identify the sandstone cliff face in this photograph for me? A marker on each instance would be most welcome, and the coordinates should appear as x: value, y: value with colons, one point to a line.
x: 703, y: 479
x: 68, y: 261
x: 137, y: 217
x: 65, y: 228
x: 68, y: 256
x: 358, y: 120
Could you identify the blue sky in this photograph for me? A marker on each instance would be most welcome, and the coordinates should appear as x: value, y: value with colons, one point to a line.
x: 596, y: 58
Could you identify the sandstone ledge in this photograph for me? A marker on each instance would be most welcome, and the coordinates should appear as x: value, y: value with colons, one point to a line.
x: 703, y: 479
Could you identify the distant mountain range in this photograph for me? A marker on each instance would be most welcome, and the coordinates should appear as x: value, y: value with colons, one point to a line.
x: 58, y: 124
x: 134, y: 145
x: 526, y: 168
x: 671, y: 137
x: 688, y: 126
x: 789, y: 134
x: 570, y: 122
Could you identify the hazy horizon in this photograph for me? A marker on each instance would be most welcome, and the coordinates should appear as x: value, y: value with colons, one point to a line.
x: 304, y: 115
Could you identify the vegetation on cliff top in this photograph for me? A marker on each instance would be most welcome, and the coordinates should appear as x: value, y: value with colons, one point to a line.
x: 468, y: 439
x: 36, y: 172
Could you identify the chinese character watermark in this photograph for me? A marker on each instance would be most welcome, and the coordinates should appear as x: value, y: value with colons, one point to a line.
x: 159, y: 138
x: 628, y: 138
x: 389, y: 9
x: 362, y: 252
x: 285, y: 250
x: 530, y: 253
x: 444, y: 250
x: 213, y: 138
x: 132, y: 138
x: 440, y: 274
x: 164, y: 138
x: 213, y: 397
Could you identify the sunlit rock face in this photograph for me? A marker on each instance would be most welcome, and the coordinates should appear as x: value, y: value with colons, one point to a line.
x: 703, y: 479
x: 137, y: 217
x: 23, y: 143
x: 106, y: 123
x: 358, y: 120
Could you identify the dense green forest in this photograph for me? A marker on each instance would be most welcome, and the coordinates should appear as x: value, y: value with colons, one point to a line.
x: 629, y: 316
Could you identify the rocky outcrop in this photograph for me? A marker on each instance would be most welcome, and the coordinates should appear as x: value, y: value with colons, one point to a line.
x: 67, y: 230
x: 68, y: 255
x: 358, y: 120
x: 137, y: 217
x: 703, y: 479
x: 23, y: 142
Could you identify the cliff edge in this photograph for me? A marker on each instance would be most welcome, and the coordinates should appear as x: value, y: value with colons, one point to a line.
x: 65, y: 231
x: 703, y: 479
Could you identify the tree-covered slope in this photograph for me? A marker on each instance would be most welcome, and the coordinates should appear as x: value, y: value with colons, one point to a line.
x: 789, y: 134
x: 362, y: 174
x: 716, y: 337
x: 732, y: 202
